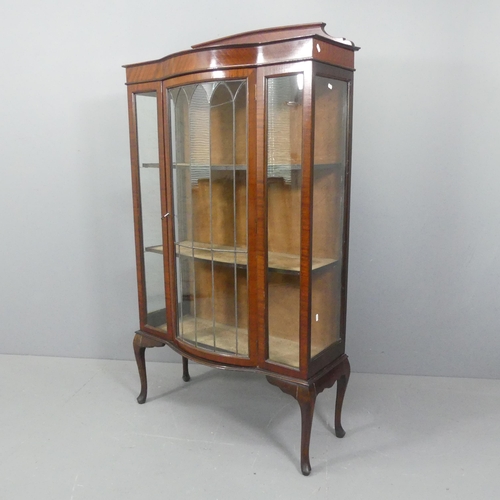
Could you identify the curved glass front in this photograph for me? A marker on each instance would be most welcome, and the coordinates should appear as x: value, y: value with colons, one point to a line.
x: 208, y: 125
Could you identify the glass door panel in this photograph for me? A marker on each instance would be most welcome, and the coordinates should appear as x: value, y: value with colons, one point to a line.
x: 208, y: 123
x: 146, y: 109
x: 330, y: 136
x: 284, y: 184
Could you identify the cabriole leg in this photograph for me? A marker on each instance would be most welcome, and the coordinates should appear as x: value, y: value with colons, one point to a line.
x: 341, y: 388
x: 306, y: 397
x: 141, y: 343
x: 338, y: 372
x: 140, y: 358
x: 185, y: 370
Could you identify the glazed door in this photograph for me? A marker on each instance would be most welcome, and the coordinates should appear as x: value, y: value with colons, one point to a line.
x: 146, y: 132
x: 209, y: 177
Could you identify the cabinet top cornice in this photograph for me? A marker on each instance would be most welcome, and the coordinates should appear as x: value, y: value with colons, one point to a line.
x: 250, y: 49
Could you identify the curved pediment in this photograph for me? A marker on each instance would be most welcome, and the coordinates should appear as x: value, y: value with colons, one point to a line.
x: 278, y: 34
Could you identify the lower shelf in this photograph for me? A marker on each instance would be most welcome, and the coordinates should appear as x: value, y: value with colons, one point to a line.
x: 285, y: 351
x: 214, y: 337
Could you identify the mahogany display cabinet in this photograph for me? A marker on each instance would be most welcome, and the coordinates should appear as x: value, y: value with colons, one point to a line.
x: 241, y: 154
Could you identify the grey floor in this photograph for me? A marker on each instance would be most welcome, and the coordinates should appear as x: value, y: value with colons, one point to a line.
x: 71, y: 429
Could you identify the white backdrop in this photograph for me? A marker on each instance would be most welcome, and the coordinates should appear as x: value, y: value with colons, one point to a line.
x: 425, y: 260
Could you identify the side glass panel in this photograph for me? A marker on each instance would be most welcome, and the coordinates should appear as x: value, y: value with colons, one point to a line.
x: 330, y: 129
x: 284, y: 182
x: 208, y: 123
x: 149, y: 178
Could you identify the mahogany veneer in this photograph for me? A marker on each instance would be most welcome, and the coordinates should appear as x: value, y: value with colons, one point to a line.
x: 241, y: 159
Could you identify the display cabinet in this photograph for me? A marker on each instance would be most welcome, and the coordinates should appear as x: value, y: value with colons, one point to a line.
x: 241, y: 152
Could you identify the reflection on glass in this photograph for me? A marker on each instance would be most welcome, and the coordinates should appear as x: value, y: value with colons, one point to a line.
x: 149, y: 176
x: 284, y: 181
x: 330, y: 129
x: 209, y: 128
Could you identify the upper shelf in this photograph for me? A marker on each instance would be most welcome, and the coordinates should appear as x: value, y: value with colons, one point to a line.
x: 243, y: 167
x: 238, y: 256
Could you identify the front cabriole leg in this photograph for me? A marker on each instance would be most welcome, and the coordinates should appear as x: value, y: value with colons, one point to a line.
x: 306, y: 397
x: 339, y: 372
x: 141, y: 343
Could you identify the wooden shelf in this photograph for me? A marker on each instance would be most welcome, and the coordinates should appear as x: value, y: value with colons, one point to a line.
x: 221, y: 253
x: 212, y: 167
x: 225, y: 335
x: 238, y: 255
x: 243, y: 167
x: 295, y: 166
x: 225, y: 340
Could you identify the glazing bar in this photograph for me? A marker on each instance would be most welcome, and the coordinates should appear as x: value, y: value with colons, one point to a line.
x: 211, y: 220
x: 192, y: 222
x: 234, y: 228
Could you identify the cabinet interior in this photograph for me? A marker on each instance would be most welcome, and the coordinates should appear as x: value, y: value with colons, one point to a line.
x: 210, y: 196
